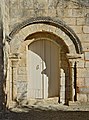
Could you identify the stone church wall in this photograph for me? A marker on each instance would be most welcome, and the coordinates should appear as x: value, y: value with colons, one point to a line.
x: 1, y: 63
x: 74, y: 13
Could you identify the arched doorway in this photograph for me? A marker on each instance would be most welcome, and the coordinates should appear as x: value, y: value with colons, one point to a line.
x: 43, y: 69
x: 18, y: 42
x: 48, y: 67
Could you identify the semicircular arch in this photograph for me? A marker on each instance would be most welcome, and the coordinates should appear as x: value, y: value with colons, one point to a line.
x: 48, y: 25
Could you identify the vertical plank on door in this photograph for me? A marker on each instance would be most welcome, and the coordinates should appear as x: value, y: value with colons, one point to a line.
x: 54, y: 68
x: 46, y: 67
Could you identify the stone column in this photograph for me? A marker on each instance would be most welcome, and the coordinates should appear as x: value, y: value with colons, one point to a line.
x: 62, y: 86
x: 72, y: 78
x: 13, y: 78
x: 73, y: 59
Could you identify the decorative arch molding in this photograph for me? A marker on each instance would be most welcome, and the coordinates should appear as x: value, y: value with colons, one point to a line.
x: 48, y: 24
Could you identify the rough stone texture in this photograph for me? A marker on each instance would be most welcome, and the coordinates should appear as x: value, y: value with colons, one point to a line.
x: 86, y: 55
x: 82, y: 97
x: 73, y: 13
x: 2, y: 92
x: 86, y: 29
x: 86, y: 82
x: 80, y: 21
x: 72, y: 16
x: 22, y: 90
x: 84, y: 38
x: 80, y: 82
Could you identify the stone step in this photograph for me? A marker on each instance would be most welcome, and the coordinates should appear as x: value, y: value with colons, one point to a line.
x: 74, y: 103
x: 77, y: 103
x: 53, y: 100
x: 46, y: 101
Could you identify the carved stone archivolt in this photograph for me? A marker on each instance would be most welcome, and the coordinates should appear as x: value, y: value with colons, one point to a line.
x: 52, y: 22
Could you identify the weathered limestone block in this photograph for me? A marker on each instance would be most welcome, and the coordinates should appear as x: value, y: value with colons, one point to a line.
x: 86, y: 29
x: 72, y: 5
x: 80, y: 21
x: 86, y: 55
x: 84, y: 3
x: 82, y: 97
x: 70, y: 21
x: 68, y: 13
x: 15, y: 45
x: 51, y: 12
x: 79, y: 12
x: 77, y: 29
x: 27, y: 4
x: 83, y: 37
x: 14, y: 9
x: 87, y: 81
x: 87, y: 19
x: 80, y: 82
x: 59, y: 12
x: 85, y: 46
x: 21, y: 89
x: 87, y: 64
x: 71, y: 47
x: 22, y: 71
x: 63, y: 36
x: 22, y: 62
x: 22, y: 78
x: 84, y: 90
x: 22, y: 96
x: 82, y: 72
x: 27, y: 12
x: 80, y: 64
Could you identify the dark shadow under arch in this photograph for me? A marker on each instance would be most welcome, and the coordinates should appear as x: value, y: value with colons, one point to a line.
x: 53, y: 22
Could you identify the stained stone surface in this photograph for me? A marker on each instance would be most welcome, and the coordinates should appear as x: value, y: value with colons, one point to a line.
x: 13, y: 49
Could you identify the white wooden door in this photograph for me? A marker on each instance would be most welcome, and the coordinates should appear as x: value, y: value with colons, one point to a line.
x: 43, y: 69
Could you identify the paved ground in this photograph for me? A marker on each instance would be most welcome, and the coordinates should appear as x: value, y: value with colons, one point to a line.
x: 51, y: 112
x: 47, y: 111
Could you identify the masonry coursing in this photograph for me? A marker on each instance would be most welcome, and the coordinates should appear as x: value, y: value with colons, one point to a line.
x: 74, y: 13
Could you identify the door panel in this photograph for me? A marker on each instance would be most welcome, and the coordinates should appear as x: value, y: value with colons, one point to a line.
x: 54, y: 70
x: 35, y: 68
x: 43, y: 72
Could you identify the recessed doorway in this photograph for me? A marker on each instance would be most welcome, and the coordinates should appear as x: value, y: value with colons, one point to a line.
x: 43, y: 69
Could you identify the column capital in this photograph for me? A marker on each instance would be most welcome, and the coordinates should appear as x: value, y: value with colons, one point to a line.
x: 74, y: 56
